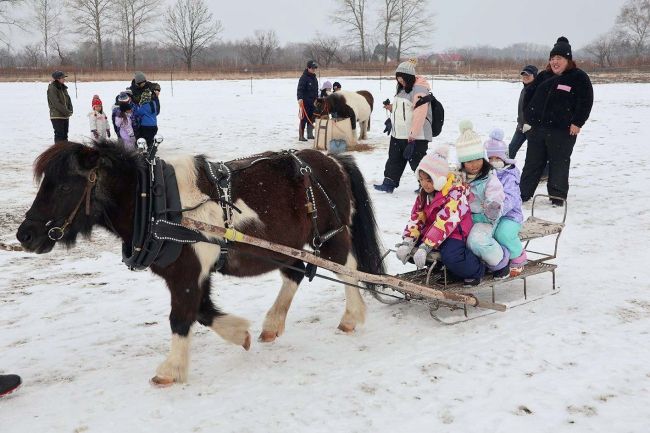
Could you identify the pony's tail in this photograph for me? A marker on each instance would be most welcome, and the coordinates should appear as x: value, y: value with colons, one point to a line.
x: 365, y: 242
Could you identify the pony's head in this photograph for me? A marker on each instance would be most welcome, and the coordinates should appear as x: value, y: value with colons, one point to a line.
x: 73, y: 194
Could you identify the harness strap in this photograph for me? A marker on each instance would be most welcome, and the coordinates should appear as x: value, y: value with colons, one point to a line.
x: 56, y: 233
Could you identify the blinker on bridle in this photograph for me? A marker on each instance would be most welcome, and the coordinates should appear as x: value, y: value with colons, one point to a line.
x: 56, y: 233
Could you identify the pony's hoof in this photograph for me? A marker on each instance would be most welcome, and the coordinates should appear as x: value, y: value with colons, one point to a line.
x: 268, y: 336
x: 162, y: 382
x: 346, y: 327
x: 247, y: 341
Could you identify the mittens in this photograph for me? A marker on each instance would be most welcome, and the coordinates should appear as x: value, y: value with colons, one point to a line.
x: 492, y: 210
x: 389, y: 126
x: 420, y: 256
x: 404, y: 249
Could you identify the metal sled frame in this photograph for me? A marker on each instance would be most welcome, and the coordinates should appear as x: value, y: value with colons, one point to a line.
x: 436, y: 276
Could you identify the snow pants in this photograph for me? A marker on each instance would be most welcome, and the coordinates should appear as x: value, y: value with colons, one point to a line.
x: 555, y: 146
x: 460, y: 260
x: 481, y: 242
x: 397, y: 161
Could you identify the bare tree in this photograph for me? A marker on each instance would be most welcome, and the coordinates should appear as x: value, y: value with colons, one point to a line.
x: 353, y: 17
x: 92, y: 18
x: 388, y: 16
x: 601, y: 48
x: 32, y: 55
x: 7, y: 20
x: 190, y: 28
x: 47, y: 20
x: 135, y: 17
x: 413, y: 26
x: 634, y: 20
x: 259, y: 49
x: 324, y: 49
x: 63, y: 60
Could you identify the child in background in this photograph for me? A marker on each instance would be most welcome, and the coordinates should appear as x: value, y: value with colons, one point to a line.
x: 98, y: 121
x: 441, y: 220
x: 507, y: 230
x: 124, y: 124
x: 147, y: 117
x: 487, y: 202
x: 325, y: 89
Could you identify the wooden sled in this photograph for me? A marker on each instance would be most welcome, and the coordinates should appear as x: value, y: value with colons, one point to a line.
x: 436, y: 276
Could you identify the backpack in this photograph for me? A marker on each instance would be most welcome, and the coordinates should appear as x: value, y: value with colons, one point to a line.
x: 437, y: 112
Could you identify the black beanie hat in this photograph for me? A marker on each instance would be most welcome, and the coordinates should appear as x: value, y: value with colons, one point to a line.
x: 561, y: 48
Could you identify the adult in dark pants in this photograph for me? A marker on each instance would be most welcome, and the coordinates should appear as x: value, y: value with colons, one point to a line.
x: 528, y: 75
x: 60, y: 106
x: 9, y: 383
x: 410, y: 127
x: 307, y: 94
x: 558, y: 104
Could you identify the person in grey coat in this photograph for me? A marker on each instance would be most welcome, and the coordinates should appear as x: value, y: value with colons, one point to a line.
x: 60, y: 106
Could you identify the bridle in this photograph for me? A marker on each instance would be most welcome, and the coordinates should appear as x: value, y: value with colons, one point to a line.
x: 56, y: 233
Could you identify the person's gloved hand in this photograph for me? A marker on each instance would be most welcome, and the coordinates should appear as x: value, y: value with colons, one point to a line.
x: 420, y: 256
x: 492, y: 210
x: 389, y: 126
x: 409, y: 149
x: 404, y: 249
x: 108, y: 132
x: 95, y: 134
x: 525, y: 128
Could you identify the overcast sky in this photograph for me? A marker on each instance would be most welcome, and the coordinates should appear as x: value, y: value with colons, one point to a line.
x: 458, y: 22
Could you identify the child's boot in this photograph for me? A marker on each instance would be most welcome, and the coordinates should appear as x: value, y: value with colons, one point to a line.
x: 517, y: 264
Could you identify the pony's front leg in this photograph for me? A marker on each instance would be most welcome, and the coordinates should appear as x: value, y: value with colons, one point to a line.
x: 276, y: 317
x: 185, y: 305
x: 355, y: 308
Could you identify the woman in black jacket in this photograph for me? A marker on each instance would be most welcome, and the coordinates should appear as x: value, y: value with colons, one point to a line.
x: 557, y: 105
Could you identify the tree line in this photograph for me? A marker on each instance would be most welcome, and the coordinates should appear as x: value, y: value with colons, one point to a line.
x: 133, y: 34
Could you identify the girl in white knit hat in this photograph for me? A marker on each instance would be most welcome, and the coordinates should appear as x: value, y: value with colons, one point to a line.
x: 441, y: 220
x: 411, y: 127
x: 487, y: 203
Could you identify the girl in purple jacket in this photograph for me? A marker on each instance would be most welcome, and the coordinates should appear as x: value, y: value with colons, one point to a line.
x: 509, y: 225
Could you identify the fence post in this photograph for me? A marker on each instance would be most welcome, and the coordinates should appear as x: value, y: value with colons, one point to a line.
x: 171, y: 80
x: 251, y: 84
x: 75, y: 86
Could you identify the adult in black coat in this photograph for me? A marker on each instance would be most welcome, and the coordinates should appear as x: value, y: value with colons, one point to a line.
x: 139, y: 84
x: 557, y: 105
x: 307, y: 94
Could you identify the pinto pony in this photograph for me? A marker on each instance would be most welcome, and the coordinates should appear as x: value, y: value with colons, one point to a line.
x: 82, y: 187
x: 354, y: 105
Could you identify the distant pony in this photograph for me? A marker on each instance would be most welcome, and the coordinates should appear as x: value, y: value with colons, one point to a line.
x: 354, y: 105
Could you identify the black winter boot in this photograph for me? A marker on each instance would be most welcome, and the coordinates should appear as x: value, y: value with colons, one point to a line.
x: 387, y: 186
x: 310, y: 131
x: 301, y: 133
x: 9, y: 383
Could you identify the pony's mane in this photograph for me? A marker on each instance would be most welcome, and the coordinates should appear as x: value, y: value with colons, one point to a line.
x: 55, y: 159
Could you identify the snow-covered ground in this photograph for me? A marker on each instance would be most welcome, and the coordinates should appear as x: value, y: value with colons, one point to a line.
x: 86, y: 334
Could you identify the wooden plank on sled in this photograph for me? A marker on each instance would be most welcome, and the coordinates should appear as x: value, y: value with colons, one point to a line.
x: 305, y: 256
x: 535, y: 227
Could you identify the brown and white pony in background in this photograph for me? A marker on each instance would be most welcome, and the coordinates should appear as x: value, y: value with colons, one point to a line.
x: 361, y: 103
x: 270, y: 195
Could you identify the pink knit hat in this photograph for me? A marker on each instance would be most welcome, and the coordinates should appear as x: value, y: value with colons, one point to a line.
x: 495, y: 146
x: 435, y: 164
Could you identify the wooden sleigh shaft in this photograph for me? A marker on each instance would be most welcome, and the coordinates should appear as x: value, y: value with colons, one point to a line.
x: 386, y: 280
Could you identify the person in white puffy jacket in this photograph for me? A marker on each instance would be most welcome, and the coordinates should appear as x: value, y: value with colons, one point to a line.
x: 410, y: 127
x: 98, y: 121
